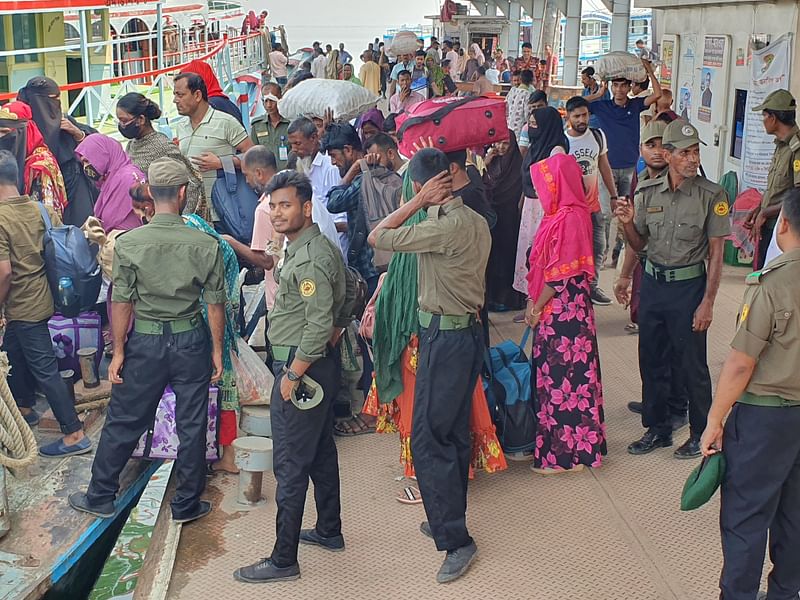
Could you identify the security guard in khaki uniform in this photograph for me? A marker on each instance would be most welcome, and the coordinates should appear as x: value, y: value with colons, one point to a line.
x: 303, y: 327
x: 453, y: 245
x: 760, y: 379
x: 271, y: 130
x: 779, y: 112
x: 633, y: 268
x: 682, y: 220
x: 161, y: 271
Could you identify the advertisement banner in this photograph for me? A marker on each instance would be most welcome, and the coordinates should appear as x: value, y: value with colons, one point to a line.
x: 769, y: 71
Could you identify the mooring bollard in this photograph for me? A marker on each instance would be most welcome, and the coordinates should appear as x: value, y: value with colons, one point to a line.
x: 253, y: 456
x: 255, y: 420
x: 89, y: 374
x: 68, y: 377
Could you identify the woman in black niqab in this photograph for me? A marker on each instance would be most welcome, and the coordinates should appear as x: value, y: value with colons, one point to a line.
x: 43, y: 96
x: 13, y: 137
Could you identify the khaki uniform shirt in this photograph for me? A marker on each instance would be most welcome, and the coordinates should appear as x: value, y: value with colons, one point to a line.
x: 263, y: 133
x: 453, y: 244
x: 768, y: 327
x: 310, y: 296
x: 678, y: 225
x: 21, y: 242
x: 164, y: 267
x: 784, y: 170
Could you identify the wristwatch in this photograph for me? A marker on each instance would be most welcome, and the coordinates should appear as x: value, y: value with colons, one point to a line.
x: 292, y: 376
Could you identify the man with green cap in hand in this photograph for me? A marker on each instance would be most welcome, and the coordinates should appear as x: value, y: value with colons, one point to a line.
x: 779, y: 112
x: 304, y: 327
x: 680, y: 222
x: 760, y: 380
x: 160, y: 272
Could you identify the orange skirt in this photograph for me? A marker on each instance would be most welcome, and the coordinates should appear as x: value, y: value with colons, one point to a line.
x: 398, y: 415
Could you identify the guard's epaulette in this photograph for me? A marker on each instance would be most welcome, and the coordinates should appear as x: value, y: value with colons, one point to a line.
x: 707, y: 185
x: 649, y: 183
x: 794, y: 142
x: 754, y: 278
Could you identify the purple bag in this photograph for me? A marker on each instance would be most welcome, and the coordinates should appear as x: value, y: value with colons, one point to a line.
x: 70, y: 335
x: 161, y: 440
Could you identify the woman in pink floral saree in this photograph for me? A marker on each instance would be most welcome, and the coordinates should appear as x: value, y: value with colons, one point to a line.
x: 566, y: 366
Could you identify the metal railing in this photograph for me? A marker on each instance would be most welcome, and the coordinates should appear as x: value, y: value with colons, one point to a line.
x: 97, y: 100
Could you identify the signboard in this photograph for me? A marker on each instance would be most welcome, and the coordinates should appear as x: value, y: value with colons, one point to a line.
x: 714, y: 51
x: 668, y: 55
x: 769, y: 71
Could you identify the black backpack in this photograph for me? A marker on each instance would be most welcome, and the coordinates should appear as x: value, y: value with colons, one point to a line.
x: 355, y: 295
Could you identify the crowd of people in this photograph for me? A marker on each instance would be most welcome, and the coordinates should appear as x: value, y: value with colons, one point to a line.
x: 522, y: 224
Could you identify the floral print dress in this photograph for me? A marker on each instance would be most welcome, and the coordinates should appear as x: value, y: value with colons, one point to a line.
x: 566, y: 379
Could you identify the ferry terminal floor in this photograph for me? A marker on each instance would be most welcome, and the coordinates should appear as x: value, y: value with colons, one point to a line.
x: 614, y: 533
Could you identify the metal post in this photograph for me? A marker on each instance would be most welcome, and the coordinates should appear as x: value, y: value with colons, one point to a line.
x: 160, y: 50
x: 514, y: 15
x: 620, y: 24
x: 87, y: 76
x: 572, y: 41
x: 5, y: 514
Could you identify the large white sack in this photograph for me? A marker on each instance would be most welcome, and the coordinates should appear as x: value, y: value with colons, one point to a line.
x: 404, y: 42
x: 311, y: 97
x: 620, y: 65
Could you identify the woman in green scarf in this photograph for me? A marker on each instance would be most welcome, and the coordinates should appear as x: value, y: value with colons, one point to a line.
x: 435, y: 77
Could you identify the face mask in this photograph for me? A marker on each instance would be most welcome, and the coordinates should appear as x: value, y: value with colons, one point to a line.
x: 91, y: 173
x: 130, y: 130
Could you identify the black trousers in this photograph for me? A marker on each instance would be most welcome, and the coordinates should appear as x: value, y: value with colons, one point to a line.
x: 303, y: 447
x: 448, y: 367
x: 666, y: 344
x: 152, y: 362
x: 33, y: 363
x: 760, y: 496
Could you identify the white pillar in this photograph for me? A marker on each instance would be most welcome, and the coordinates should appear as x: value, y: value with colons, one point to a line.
x: 511, y: 45
x: 572, y: 42
x: 537, y: 18
x: 549, y: 28
x: 83, y: 16
x: 620, y: 24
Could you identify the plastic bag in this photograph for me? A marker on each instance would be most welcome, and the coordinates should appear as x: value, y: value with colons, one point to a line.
x: 620, y: 65
x: 253, y: 379
x: 310, y: 98
x: 404, y: 42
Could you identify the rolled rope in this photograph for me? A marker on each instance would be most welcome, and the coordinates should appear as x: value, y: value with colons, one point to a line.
x: 17, y: 445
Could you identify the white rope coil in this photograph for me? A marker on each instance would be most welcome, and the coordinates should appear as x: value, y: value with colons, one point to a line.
x: 17, y: 445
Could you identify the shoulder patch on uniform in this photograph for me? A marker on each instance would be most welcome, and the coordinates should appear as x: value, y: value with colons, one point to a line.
x: 721, y: 208
x: 794, y: 143
x: 308, y: 288
x: 754, y: 278
x: 745, y: 312
x: 796, y: 166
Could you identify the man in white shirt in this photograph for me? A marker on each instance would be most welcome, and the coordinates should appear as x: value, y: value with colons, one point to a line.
x: 304, y: 140
x: 452, y: 56
x: 318, y: 64
x: 590, y: 148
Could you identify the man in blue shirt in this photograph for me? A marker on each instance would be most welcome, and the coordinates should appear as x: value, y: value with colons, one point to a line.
x: 591, y: 86
x: 619, y: 120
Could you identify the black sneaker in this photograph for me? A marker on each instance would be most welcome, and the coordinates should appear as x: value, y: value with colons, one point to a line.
x: 310, y: 537
x: 690, y: 448
x: 265, y: 572
x: 425, y: 528
x: 79, y: 501
x: 202, y: 511
x: 457, y: 563
x: 635, y: 407
x: 599, y: 297
x: 649, y: 442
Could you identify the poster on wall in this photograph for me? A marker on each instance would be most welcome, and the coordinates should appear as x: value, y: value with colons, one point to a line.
x: 769, y: 71
x: 706, y: 95
x: 714, y: 51
x: 667, y: 61
x: 685, y: 101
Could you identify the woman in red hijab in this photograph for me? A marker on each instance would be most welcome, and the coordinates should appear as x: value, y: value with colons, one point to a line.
x: 565, y: 374
x: 216, y: 97
x: 42, y: 176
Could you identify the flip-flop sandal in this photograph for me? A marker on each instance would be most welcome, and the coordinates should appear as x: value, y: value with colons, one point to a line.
x: 410, y: 495
x: 339, y: 428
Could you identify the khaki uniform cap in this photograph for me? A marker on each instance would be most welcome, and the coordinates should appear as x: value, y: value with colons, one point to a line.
x: 651, y: 131
x: 681, y: 134
x: 778, y: 100
x: 166, y: 172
